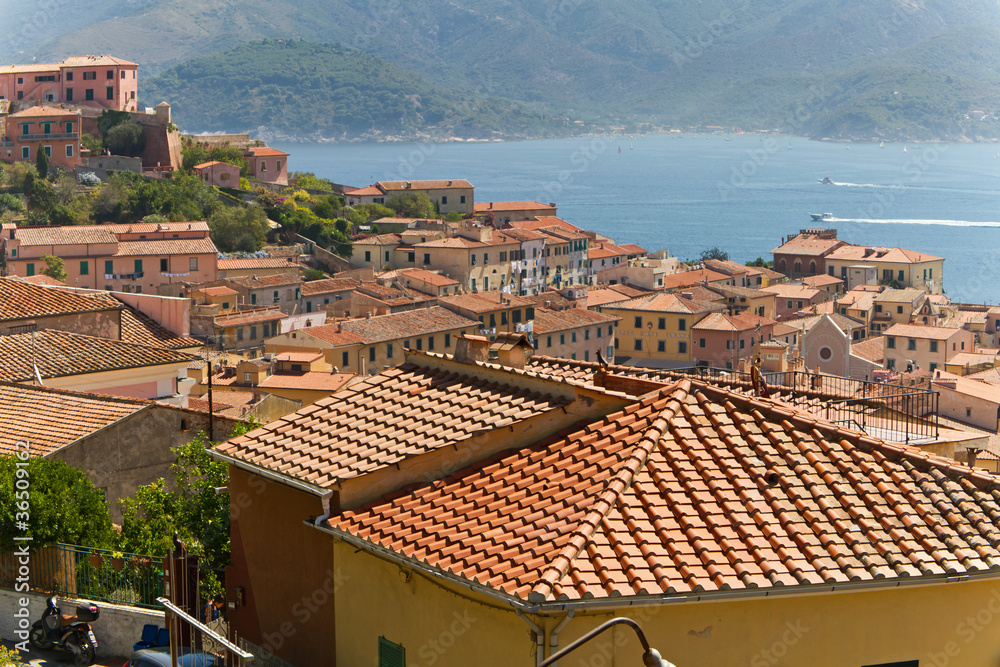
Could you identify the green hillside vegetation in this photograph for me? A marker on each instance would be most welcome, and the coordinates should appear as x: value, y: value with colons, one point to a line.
x: 324, y: 90
x: 736, y: 61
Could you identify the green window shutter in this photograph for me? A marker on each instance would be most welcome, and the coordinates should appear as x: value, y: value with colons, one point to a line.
x: 389, y: 654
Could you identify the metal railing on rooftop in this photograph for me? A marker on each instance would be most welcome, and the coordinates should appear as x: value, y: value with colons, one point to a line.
x: 889, y: 411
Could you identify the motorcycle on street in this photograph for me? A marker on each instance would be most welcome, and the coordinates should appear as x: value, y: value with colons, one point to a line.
x: 65, y: 632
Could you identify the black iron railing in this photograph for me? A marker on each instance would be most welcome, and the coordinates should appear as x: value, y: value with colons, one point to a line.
x: 889, y: 411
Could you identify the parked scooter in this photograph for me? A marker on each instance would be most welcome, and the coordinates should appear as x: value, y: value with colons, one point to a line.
x: 67, y: 633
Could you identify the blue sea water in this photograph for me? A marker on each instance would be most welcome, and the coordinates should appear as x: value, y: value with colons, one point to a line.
x: 742, y: 193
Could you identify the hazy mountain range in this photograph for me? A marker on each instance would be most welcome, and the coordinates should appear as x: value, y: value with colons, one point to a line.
x: 841, y: 68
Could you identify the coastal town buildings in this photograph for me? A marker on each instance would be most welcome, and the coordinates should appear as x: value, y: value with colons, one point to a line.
x: 500, y: 496
x: 137, y: 257
x: 104, y: 82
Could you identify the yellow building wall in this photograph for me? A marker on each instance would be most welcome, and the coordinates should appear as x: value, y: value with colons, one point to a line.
x: 953, y: 624
x: 627, y: 333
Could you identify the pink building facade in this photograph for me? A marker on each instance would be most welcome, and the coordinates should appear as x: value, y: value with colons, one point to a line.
x: 55, y: 131
x: 219, y: 174
x: 104, y: 82
x: 136, y: 258
x: 267, y: 164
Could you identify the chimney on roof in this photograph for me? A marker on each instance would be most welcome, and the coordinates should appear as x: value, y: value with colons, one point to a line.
x: 470, y: 349
x: 687, y: 295
x: 449, y: 181
x: 409, y: 185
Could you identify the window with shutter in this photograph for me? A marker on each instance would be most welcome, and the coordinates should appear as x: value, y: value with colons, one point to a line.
x: 389, y: 654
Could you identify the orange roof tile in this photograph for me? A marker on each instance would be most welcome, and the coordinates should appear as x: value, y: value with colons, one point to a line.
x: 548, y: 321
x: 257, y: 263
x: 21, y: 300
x: 401, y: 412
x: 442, y: 184
x: 691, y: 490
x: 52, y: 418
x: 60, y: 353
x: 502, y: 206
x: 327, y: 285
x: 311, y: 381
x: 164, y: 247
x: 667, y: 302
x: 921, y: 331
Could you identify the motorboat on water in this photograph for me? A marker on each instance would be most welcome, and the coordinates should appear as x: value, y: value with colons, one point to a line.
x: 821, y: 216
x: 826, y: 180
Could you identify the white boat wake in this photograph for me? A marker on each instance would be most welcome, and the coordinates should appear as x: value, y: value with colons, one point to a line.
x: 909, y: 221
x: 869, y: 185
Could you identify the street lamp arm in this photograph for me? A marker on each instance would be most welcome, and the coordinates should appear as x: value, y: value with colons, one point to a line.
x: 650, y: 656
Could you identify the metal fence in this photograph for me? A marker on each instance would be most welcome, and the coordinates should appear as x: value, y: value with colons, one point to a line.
x: 889, y: 411
x: 93, y: 574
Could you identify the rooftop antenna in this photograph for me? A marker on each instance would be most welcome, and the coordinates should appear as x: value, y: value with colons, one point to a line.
x: 34, y: 366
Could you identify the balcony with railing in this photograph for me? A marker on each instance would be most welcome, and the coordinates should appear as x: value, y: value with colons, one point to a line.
x: 53, y: 136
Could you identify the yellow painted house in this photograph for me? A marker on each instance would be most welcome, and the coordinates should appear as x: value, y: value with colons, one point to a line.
x: 454, y: 512
x: 657, y: 327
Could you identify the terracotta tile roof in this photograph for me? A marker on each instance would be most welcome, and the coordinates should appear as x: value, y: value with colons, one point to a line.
x: 502, y: 206
x: 920, y: 331
x: 524, y: 235
x: 381, y: 239
x: 333, y: 334
x: 967, y: 387
x: 166, y: 247
x: 722, y: 322
x: 396, y: 326
x: 633, y: 249
x: 60, y: 353
x: 52, y: 418
x: 20, y: 300
x: 158, y: 227
x: 40, y: 279
x: 377, y: 422
x: 257, y: 263
x: 808, y: 245
x: 217, y: 291
x: 298, y: 356
x: 852, y: 253
x: 821, y: 280
x: 663, y: 302
x: 442, y: 184
x: 265, y: 151
x: 328, y: 285
x: 692, y: 278
x: 251, y: 316
x: 691, y: 490
x: 791, y: 291
x: 872, y: 349
x: 83, y: 234
x: 232, y: 404
x: 548, y: 321
x: 32, y: 112
x: 906, y: 295
x: 428, y: 277
x: 205, y: 165
x: 95, y: 61
x: 452, y: 242
x: 311, y: 380
x: 253, y: 282
x: 370, y: 191
x: 483, y: 302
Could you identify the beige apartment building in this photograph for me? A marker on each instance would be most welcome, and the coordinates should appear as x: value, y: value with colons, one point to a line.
x: 925, y: 348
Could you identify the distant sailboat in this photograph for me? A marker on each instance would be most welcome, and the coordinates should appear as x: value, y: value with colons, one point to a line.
x: 789, y: 144
x: 904, y: 148
x: 881, y: 144
x: 619, y: 149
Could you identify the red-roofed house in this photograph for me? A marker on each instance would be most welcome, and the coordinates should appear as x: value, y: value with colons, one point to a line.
x: 268, y: 165
x: 104, y: 82
x: 121, y: 258
x: 219, y: 174
x: 461, y: 513
x: 804, y: 254
x: 502, y: 212
x: 723, y: 341
x: 55, y: 131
